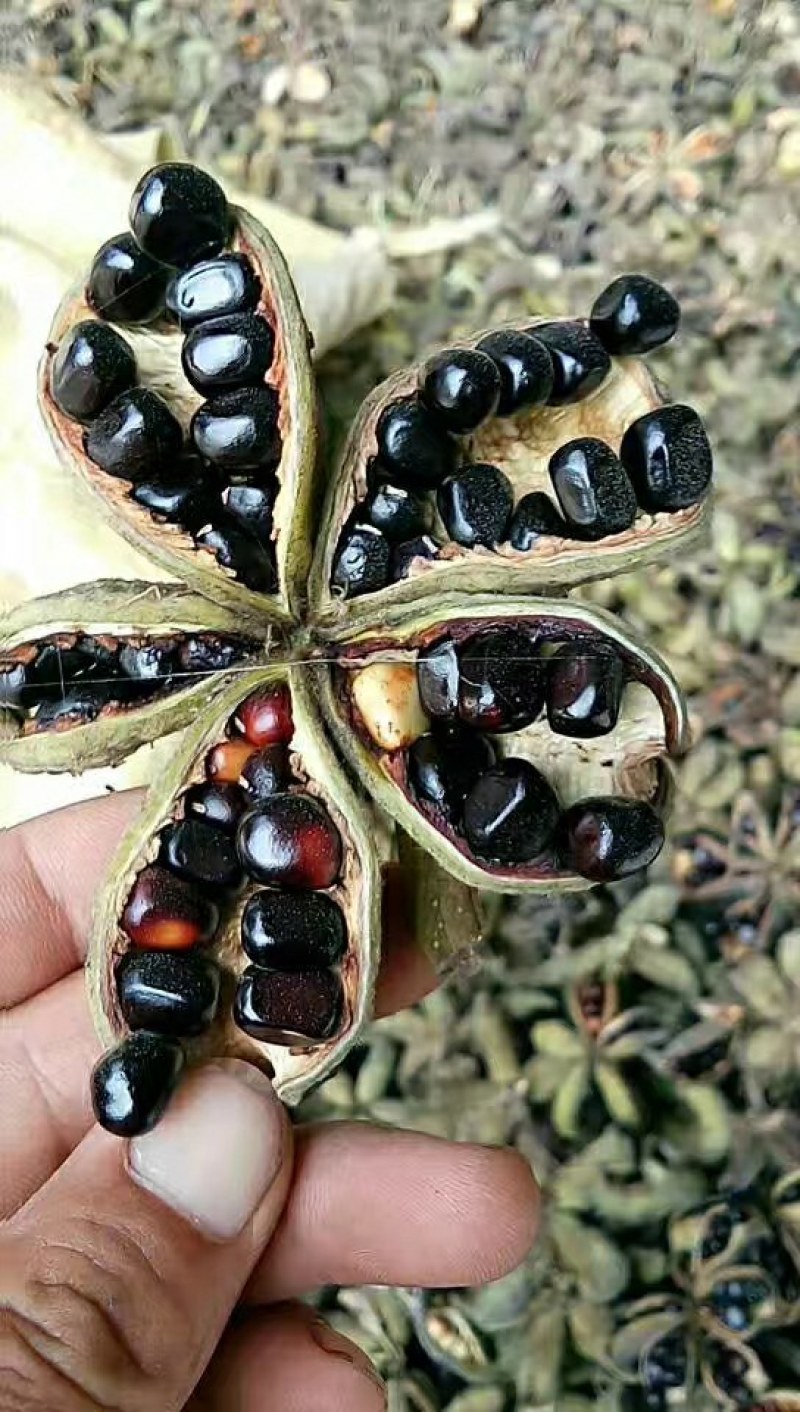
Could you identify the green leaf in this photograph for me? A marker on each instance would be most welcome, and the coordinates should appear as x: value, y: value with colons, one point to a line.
x: 788, y: 952
x: 701, y: 1129
x: 618, y: 1096
x: 545, y: 1350
x: 545, y: 1076
x: 657, y: 903
x: 769, y: 1052
x: 566, y: 1109
x: 591, y: 1326
x: 664, y: 967
x: 761, y: 985
x: 598, y: 1265
x: 556, y: 1038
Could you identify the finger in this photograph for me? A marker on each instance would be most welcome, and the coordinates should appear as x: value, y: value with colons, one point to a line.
x: 51, y: 868
x: 310, y: 1367
x: 118, y: 1278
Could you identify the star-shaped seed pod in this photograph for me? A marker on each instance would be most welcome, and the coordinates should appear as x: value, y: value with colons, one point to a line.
x: 345, y: 676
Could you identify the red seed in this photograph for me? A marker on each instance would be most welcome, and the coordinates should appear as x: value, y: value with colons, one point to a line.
x: 226, y: 762
x: 164, y: 913
x: 283, y: 1007
x: 290, y: 840
x: 265, y: 718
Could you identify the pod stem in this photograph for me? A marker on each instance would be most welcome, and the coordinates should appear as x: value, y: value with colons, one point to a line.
x: 450, y: 919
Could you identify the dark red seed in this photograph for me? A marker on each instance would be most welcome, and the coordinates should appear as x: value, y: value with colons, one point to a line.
x: 267, y: 772
x: 290, y: 840
x: 201, y: 853
x: 286, y: 1006
x: 225, y: 762
x: 220, y: 804
x: 501, y: 685
x: 585, y: 682
x: 265, y: 718
x: 165, y: 913
x: 607, y: 838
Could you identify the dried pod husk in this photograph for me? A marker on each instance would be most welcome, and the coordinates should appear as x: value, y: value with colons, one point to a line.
x: 105, y: 620
x: 157, y: 349
x: 628, y: 762
x: 294, y: 1060
x: 521, y: 446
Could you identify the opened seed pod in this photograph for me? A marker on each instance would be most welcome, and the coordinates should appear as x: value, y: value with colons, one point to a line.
x: 518, y: 742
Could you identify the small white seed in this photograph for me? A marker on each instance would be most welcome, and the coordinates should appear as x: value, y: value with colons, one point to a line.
x: 387, y: 698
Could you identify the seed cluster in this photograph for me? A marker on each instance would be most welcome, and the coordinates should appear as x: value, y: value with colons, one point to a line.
x: 72, y: 678
x: 220, y: 486
x: 424, y: 489
x: 250, y: 821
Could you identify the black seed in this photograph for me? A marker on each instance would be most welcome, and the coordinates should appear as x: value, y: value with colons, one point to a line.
x: 580, y: 362
x: 253, y: 563
x: 443, y: 766
x: 80, y: 704
x: 403, y: 555
x: 152, y: 661
x: 476, y: 505
x: 239, y: 430
x: 285, y: 1006
x: 266, y: 772
x: 132, y: 1084
x: 665, y: 1362
x: 234, y: 351
x: 198, y: 851
x: 13, y: 680
x: 220, y: 804
x: 399, y: 514
x: 593, y: 489
x: 462, y: 387
x: 211, y: 289
x: 606, y: 838
x: 413, y: 450
x: 251, y: 506
x: 668, y: 458
x: 185, y: 494
x: 168, y: 992
x: 125, y: 285
x: 92, y: 366
x: 437, y: 678
x: 535, y: 516
x: 207, y: 652
x: 135, y: 437
x: 362, y: 561
x: 634, y: 314
x: 179, y: 214
x: 501, y: 682
x: 56, y: 669
x: 525, y: 367
x: 510, y: 814
x: 293, y: 932
x: 584, y: 690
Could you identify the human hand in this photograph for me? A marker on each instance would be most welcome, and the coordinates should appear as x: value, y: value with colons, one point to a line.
x: 164, y: 1274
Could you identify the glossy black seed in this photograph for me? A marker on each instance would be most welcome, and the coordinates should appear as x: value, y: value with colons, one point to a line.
x: 580, y: 362
x: 584, y: 690
x: 462, y: 387
x: 535, y: 516
x: 476, y: 505
x: 251, y: 506
x: 593, y: 489
x: 132, y: 1084
x: 510, y: 814
x: 13, y: 680
x: 361, y: 564
x: 287, y: 1006
x: 211, y: 289
x: 239, y: 430
x: 185, y: 494
x: 168, y: 992
x: 135, y: 437
x: 56, y: 669
x: 179, y: 214
x: 665, y: 1363
x: 438, y: 675
x: 125, y: 285
x: 606, y: 838
x: 404, y: 555
x: 634, y: 314
x: 234, y: 351
x: 413, y: 450
x: 267, y: 772
x: 200, y: 852
x: 208, y: 652
x: 220, y: 804
x: 668, y: 458
x: 79, y: 704
x: 293, y: 932
x: 92, y: 365
x: 252, y: 563
x: 501, y: 680
x: 525, y: 368
x: 399, y: 514
x: 151, y: 661
x: 444, y: 765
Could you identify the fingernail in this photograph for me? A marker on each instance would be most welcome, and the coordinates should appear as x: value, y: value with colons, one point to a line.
x: 216, y: 1151
x: 337, y: 1346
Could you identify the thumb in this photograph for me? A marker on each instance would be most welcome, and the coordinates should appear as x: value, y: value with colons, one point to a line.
x: 118, y: 1277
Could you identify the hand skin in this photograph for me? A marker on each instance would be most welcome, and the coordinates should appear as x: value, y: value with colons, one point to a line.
x: 110, y: 1296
